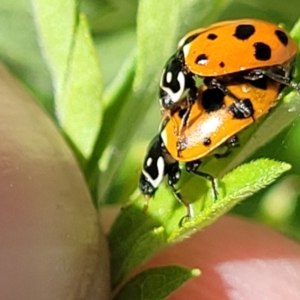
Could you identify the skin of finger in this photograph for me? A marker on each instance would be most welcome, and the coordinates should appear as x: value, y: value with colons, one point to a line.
x: 238, y: 258
x: 51, y: 243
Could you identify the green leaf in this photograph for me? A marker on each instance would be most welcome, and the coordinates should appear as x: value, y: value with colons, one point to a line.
x: 20, y: 53
x: 136, y: 236
x: 78, y: 104
x: 56, y: 24
x: 234, y: 187
x: 133, y: 237
x: 275, y: 11
x: 295, y: 32
x: 114, y: 15
x: 156, y: 283
x: 114, y: 51
x: 119, y: 89
x: 74, y: 66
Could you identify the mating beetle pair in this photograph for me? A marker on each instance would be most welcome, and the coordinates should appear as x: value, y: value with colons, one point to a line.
x: 244, y: 64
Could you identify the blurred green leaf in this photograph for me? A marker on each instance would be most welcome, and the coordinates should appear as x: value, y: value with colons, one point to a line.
x: 113, y: 51
x: 56, y: 25
x: 120, y: 88
x: 136, y: 236
x: 276, y: 11
x: 278, y: 205
x: 107, y: 16
x: 72, y: 59
x: 19, y: 50
x: 79, y: 105
x: 156, y: 283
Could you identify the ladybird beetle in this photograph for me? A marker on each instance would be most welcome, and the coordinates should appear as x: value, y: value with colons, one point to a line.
x: 158, y: 163
x: 214, y: 120
x: 226, y: 51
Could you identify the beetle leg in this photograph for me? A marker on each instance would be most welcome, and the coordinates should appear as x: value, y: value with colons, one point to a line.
x: 233, y: 141
x: 192, y: 166
x: 277, y: 73
x: 191, y: 99
x: 230, y: 143
x: 174, y: 174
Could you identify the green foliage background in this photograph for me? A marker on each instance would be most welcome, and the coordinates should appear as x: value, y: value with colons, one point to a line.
x: 105, y: 102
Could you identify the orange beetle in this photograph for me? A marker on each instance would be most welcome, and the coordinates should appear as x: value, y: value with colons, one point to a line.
x: 233, y: 46
x: 212, y: 121
x: 227, y: 51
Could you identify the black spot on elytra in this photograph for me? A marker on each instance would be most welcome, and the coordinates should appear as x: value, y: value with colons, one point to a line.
x: 206, y: 141
x: 262, y: 51
x: 212, y: 99
x: 212, y: 36
x: 222, y: 64
x: 244, y: 31
x: 282, y: 37
x: 201, y: 59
